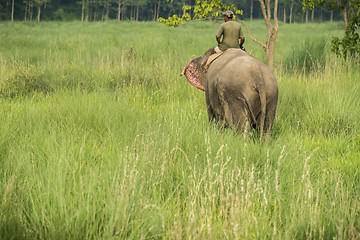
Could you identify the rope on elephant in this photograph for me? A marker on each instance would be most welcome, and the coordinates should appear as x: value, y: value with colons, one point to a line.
x: 213, y: 57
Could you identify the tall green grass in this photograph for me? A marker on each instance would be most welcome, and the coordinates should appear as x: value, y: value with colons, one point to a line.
x: 309, y: 56
x: 100, y: 138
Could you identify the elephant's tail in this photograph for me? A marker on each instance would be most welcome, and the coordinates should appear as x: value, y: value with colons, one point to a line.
x: 262, y: 94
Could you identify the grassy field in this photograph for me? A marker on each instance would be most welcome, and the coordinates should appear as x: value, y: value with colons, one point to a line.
x: 100, y: 138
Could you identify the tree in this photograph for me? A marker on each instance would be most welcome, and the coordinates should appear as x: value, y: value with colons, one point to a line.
x: 29, y: 9
x: 291, y: 11
x: 156, y: 11
x: 119, y: 3
x: 138, y: 4
x: 343, y: 5
x: 106, y: 8
x: 272, y: 30
x: 134, y: 6
x: 84, y: 9
x: 350, y: 43
x: 284, y: 5
x: 39, y: 4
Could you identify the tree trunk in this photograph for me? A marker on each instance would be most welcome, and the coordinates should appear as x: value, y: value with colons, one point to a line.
x: 312, y: 14
x: 272, y: 31
x: 103, y: 14
x: 169, y: 14
x: 284, y: 15
x: 131, y: 13
x: 87, y: 11
x: 95, y: 10
x: 124, y: 14
x: 158, y: 10
x: 345, y: 18
x: 31, y: 10
x: 270, y: 50
x: 119, y: 10
x: 291, y: 11
x: 321, y: 14
x: 331, y: 15
x: 26, y: 10
x: 306, y: 15
x: 190, y: 11
x: 134, y: 13
x: 82, y: 10
x: 107, y: 10
x: 251, y: 9
x: 39, y: 12
x: 154, y: 17
x: 137, y: 13
x: 12, y: 11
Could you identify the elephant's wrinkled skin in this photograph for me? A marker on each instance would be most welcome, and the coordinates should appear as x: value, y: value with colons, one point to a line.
x: 241, y: 91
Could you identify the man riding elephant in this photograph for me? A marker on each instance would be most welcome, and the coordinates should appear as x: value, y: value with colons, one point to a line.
x: 231, y: 33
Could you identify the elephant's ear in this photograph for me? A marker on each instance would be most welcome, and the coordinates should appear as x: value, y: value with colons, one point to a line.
x: 206, y: 57
x: 194, y: 74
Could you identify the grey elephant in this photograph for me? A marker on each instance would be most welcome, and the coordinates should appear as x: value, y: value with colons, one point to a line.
x: 241, y: 91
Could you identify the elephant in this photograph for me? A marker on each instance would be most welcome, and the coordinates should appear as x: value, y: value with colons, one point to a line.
x: 241, y: 91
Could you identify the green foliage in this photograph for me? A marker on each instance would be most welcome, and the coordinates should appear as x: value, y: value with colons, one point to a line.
x: 3, y: 11
x: 350, y: 43
x: 202, y: 9
x: 213, y: 8
x: 59, y: 15
x: 175, y: 20
x: 332, y: 4
x: 308, y: 4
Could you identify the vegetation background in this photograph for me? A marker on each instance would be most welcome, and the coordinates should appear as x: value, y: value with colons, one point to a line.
x: 146, y: 10
x: 101, y: 138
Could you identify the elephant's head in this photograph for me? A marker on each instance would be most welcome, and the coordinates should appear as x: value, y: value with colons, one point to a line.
x: 195, y: 71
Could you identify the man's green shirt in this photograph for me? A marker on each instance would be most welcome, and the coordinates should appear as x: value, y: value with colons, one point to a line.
x: 231, y: 32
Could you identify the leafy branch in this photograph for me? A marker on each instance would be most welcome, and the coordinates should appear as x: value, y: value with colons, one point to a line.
x: 350, y: 43
x: 202, y: 9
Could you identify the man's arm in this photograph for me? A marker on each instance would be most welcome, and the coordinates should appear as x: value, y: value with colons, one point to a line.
x: 218, y: 39
x: 242, y: 40
x: 219, y: 34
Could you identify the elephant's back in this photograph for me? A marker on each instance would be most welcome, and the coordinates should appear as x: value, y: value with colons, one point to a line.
x: 234, y: 62
x: 237, y: 64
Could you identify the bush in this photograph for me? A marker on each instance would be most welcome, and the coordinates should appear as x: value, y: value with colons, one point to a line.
x: 25, y: 81
x: 59, y: 14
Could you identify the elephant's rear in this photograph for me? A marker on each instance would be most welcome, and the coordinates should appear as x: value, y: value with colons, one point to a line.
x: 247, y: 91
x: 268, y: 94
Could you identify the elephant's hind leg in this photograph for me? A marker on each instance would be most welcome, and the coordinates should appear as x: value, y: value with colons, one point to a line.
x: 236, y: 114
x: 270, y: 116
x: 241, y: 118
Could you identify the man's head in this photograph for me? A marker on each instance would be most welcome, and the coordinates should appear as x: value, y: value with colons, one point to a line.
x: 228, y: 15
